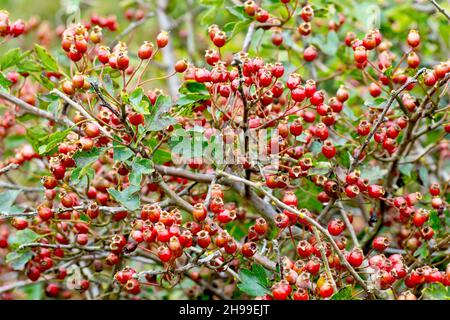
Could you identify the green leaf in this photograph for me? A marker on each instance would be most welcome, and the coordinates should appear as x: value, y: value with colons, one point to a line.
x: 23, y: 237
x: 161, y: 156
x: 46, y: 59
x: 192, y: 86
x: 7, y: 199
x: 234, y: 27
x: 86, y: 158
x: 250, y: 284
x: 18, y: 260
x: 4, y: 82
x: 157, y: 120
x: 436, y: 291
x: 129, y: 197
x: 48, y: 144
x: 316, y: 147
x: 423, y: 174
x: 375, y: 103
x: 27, y: 65
x: 10, y: 58
x: 373, y: 173
x: 331, y: 45
x: 435, y: 222
x: 139, y: 101
x: 343, y: 294
x: 422, y: 251
x: 238, y: 12
x: 261, y: 274
x: 406, y: 169
x: 122, y: 153
x: 139, y: 167
x: 34, y: 291
x: 34, y: 135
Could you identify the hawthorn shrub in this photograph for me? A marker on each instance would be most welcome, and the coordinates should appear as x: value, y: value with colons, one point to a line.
x: 297, y: 150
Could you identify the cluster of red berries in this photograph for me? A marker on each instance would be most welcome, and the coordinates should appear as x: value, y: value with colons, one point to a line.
x: 105, y: 22
x: 14, y: 29
x: 132, y: 14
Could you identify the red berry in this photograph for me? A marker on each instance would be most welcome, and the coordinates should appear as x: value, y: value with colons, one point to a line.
x: 310, y: 53
x: 413, y: 38
x: 249, y: 249
x: 355, y: 257
x: 360, y: 54
x: 375, y: 191
x: 328, y: 149
x: 162, y: 39
x: 145, y: 50
x: 380, y: 243
x: 336, y: 227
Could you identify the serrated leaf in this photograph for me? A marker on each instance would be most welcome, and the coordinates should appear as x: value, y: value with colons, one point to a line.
x: 46, y: 59
x: 250, y: 284
x: 77, y: 174
x: 139, y: 166
x: 436, y: 291
x: 139, y: 101
x: 129, y: 197
x: 302, y: 138
x: 23, y: 237
x: 157, y: 120
x: 49, y: 144
x: 122, y: 153
x: 316, y: 147
x: 86, y: 158
x: 373, y: 173
x: 7, y: 199
x: 161, y: 156
x: 423, y: 174
x: 5, y: 83
x: 422, y: 251
x: 238, y: 12
x: 10, y: 58
x: 261, y: 274
x: 331, y: 45
x: 34, y: 291
x: 435, y: 222
x: 406, y: 169
x: 18, y: 260
x: 27, y: 65
x: 343, y: 294
x: 34, y: 135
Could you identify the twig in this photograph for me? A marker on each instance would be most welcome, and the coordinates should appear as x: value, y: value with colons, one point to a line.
x: 380, y: 119
x: 249, y: 37
x: 324, y: 259
x: 348, y: 224
x: 308, y: 219
x: 131, y: 27
x: 9, y: 167
x: 17, y: 187
x: 33, y: 110
x: 440, y: 9
x: 80, y: 109
x: 175, y: 197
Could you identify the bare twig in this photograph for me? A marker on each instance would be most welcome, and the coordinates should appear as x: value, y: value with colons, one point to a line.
x: 325, y: 259
x: 9, y: 167
x: 380, y: 119
x: 132, y: 26
x: 28, y: 108
x: 348, y: 224
x: 440, y: 9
